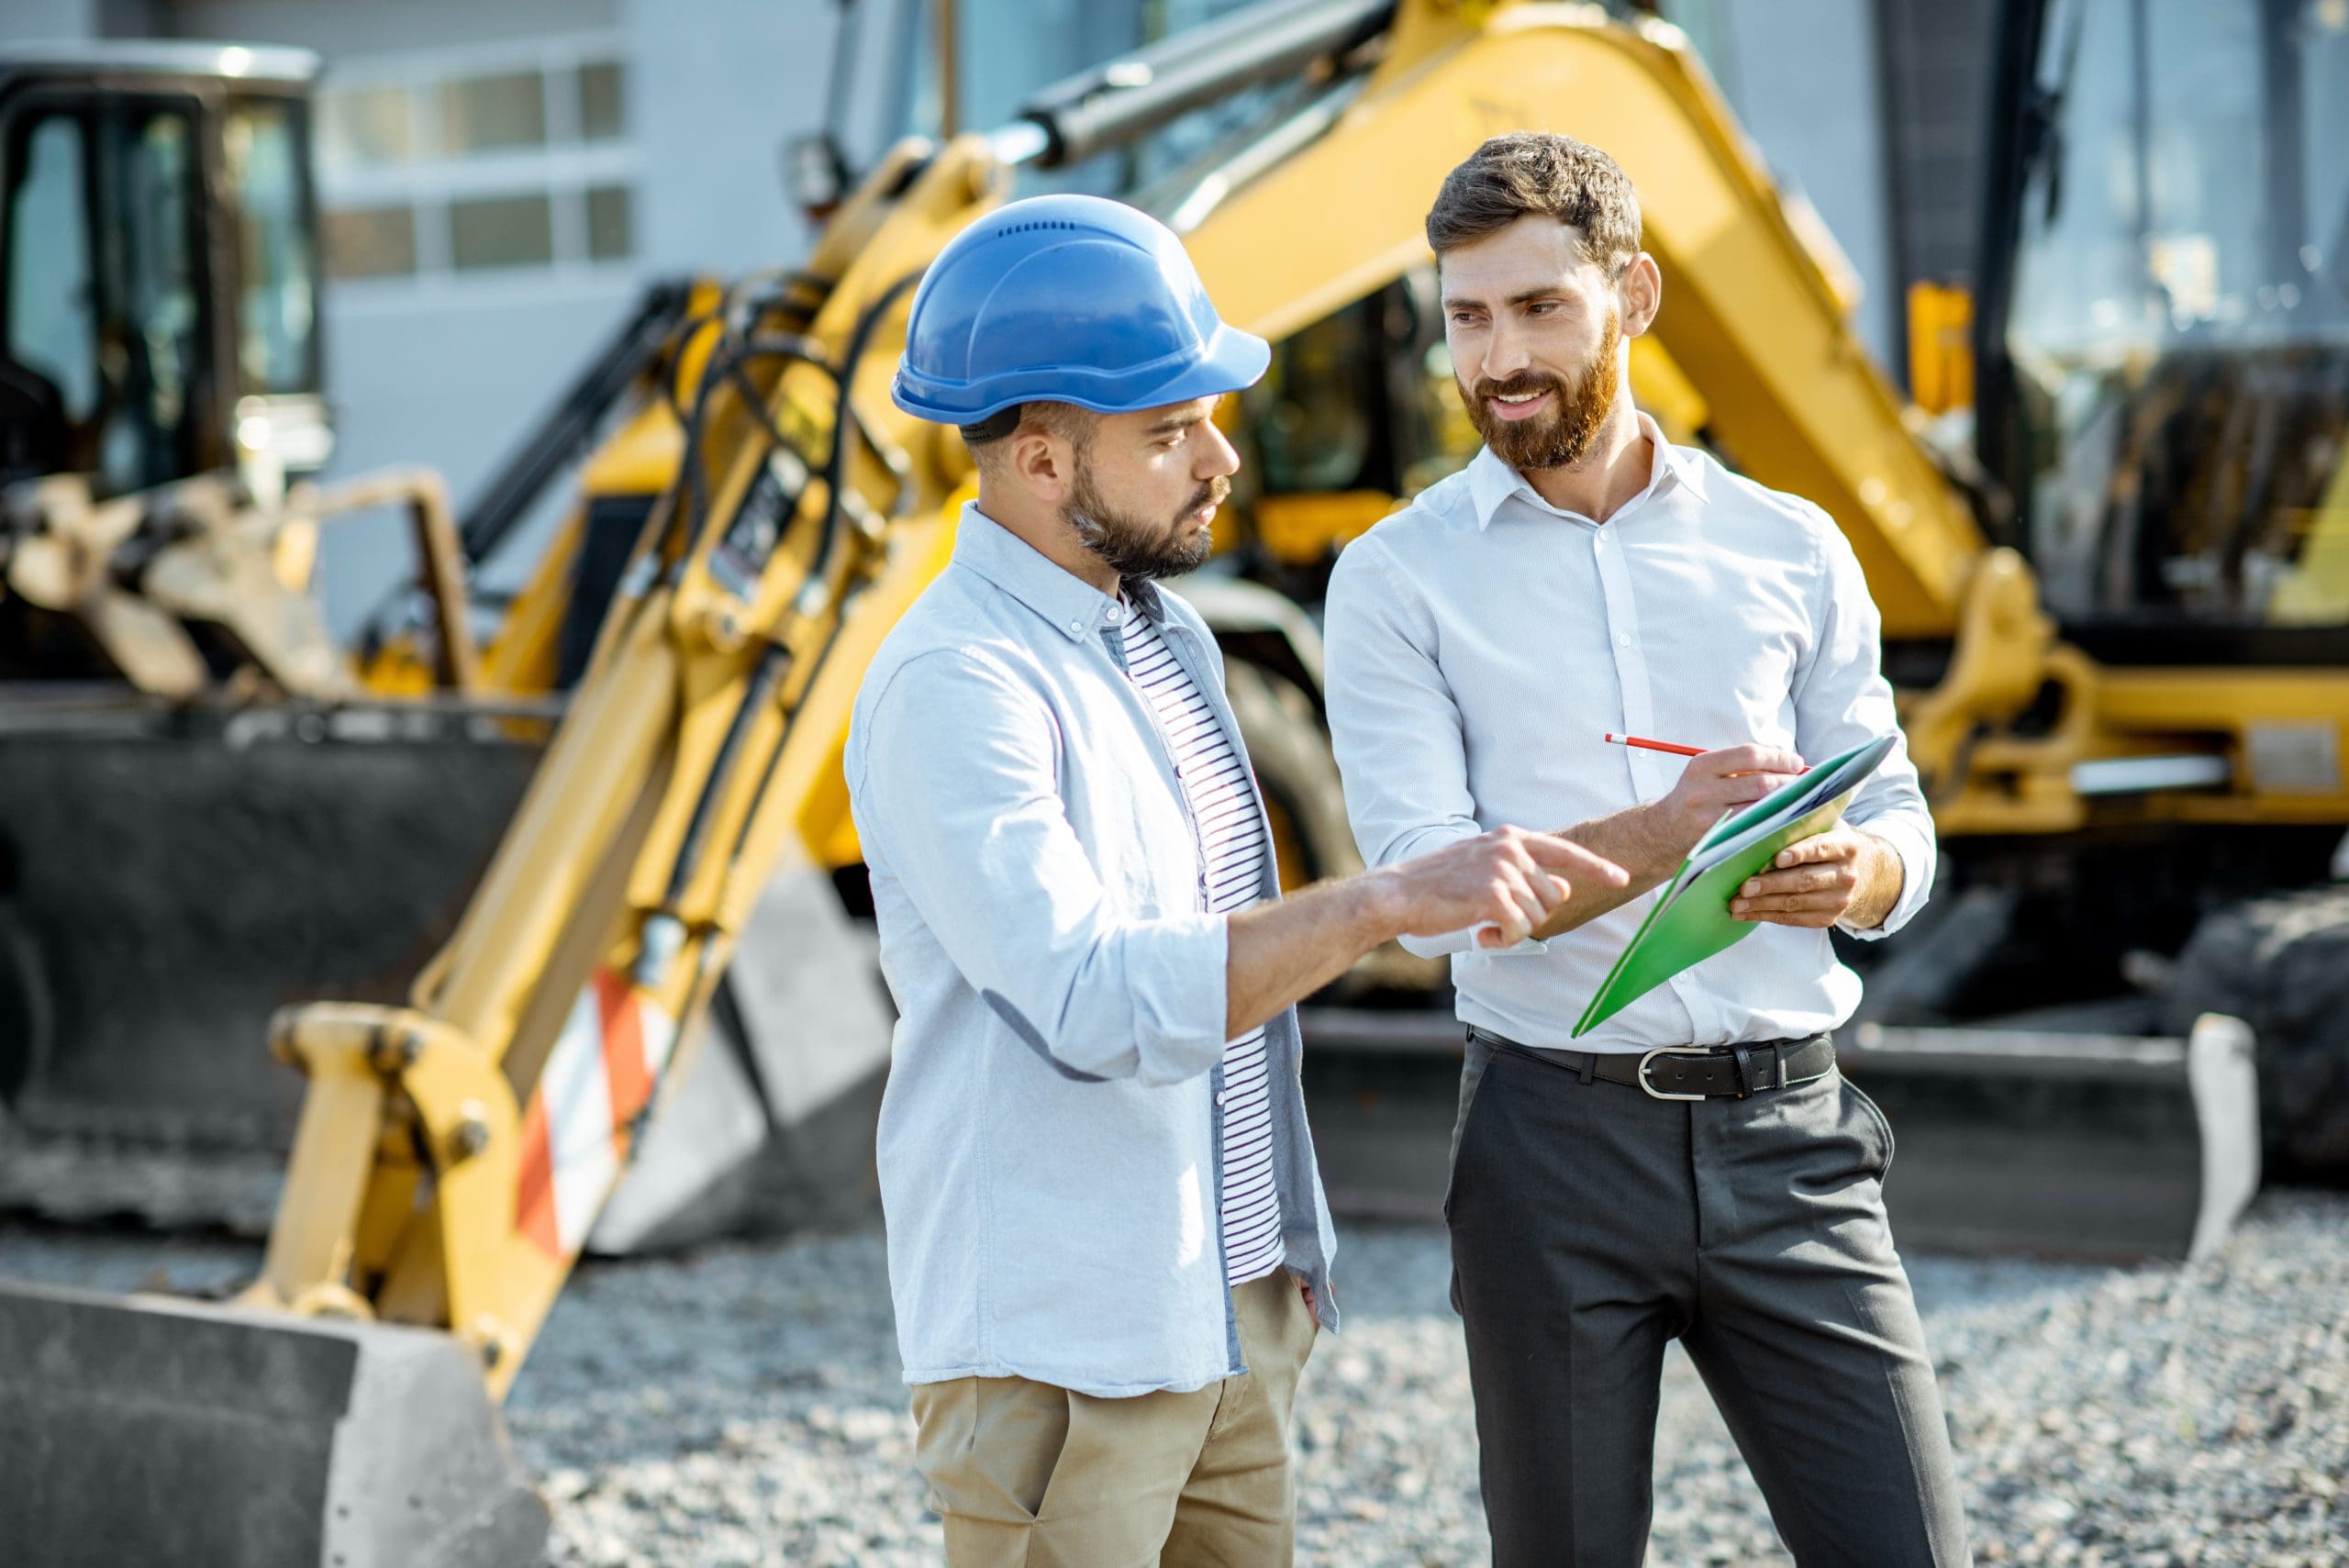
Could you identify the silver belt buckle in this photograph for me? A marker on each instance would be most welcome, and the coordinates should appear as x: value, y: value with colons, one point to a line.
x: 1649, y: 1089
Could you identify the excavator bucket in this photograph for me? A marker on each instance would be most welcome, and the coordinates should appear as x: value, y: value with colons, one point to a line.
x: 148, y: 1429
x: 169, y: 879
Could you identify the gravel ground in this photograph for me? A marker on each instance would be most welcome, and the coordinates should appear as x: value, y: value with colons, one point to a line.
x: 743, y: 1405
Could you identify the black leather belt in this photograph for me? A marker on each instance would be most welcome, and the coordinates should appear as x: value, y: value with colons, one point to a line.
x: 1690, y: 1072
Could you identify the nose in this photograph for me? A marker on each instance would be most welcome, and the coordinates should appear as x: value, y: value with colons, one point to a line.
x: 1218, y: 458
x: 1505, y: 353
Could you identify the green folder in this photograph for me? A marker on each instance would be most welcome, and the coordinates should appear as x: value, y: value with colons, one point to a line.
x: 1690, y: 921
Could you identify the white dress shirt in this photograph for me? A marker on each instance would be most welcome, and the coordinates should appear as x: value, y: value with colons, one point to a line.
x: 1480, y: 642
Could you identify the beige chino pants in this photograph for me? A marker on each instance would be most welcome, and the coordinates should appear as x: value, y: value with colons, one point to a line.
x: 1029, y: 1475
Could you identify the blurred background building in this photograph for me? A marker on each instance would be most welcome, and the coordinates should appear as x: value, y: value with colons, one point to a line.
x: 499, y: 181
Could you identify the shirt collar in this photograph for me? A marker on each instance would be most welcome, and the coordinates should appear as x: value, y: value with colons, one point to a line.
x: 1492, y: 482
x: 1075, y: 607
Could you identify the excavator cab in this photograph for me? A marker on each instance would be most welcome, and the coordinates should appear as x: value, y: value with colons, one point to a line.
x: 2164, y: 397
x: 159, y: 387
x: 158, y: 264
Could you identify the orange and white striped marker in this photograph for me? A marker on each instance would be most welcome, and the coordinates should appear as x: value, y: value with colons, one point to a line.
x: 575, y: 1130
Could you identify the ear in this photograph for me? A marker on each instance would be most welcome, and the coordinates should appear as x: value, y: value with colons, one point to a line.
x: 1642, y: 295
x: 1042, y: 463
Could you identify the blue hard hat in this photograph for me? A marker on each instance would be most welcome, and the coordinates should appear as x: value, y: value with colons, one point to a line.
x: 1070, y: 299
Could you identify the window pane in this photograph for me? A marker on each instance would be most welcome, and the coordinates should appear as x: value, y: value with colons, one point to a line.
x: 361, y: 128
x: 154, y: 214
x: 274, y: 263
x: 602, y: 109
x: 52, y: 304
x: 609, y: 233
x: 501, y: 231
x: 371, y: 242
x: 486, y: 113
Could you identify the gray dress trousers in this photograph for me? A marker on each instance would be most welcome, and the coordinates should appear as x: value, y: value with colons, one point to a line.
x: 1591, y: 1225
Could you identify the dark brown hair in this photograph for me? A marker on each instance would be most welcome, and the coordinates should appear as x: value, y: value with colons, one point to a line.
x: 1537, y: 172
x: 1073, y: 425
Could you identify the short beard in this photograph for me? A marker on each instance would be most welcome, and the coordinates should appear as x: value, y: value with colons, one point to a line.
x: 1136, y: 551
x: 1560, y: 437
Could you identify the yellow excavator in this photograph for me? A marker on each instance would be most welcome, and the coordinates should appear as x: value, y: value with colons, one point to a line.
x: 454, y: 1151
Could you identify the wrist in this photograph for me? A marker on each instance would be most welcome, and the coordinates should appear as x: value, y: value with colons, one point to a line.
x: 1381, y: 905
x: 1672, y: 831
x: 1881, y: 875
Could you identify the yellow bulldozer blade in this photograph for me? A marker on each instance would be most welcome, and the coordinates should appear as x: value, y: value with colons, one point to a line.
x: 2027, y: 1141
x: 152, y: 1431
x: 2082, y: 1145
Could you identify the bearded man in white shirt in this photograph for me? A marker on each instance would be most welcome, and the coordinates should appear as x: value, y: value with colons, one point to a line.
x: 1694, y: 1168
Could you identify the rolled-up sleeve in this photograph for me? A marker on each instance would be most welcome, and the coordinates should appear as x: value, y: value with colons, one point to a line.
x: 1841, y: 699
x: 953, y: 785
x: 1392, y: 723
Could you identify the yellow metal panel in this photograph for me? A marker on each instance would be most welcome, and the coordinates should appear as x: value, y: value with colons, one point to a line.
x: 293, y: 553
x: 1664, y: 392
x: 1940, y: 347
x: 1304, y: 530
x: 2316, y: 590
x: 919, y: 551
x: 586, y: 785
x: 521, y: 657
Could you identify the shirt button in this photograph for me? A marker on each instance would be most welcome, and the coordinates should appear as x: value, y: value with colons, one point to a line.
x: 1623, y: 639
x: 1077, y: 626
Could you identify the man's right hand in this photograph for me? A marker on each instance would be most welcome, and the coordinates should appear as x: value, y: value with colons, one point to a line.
x: 1720, y: 781
x: 1509, y: 879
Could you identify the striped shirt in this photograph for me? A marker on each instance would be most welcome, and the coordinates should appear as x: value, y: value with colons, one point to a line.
x: 1223, y: 803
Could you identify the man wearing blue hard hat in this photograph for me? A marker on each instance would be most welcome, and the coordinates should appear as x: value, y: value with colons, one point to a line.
x: 1108, y: 1248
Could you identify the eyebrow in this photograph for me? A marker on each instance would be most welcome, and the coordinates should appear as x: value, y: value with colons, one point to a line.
x: 1522, y: 297
x: 1174, y: 422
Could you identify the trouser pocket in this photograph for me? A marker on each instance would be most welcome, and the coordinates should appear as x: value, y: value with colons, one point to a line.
x: 1883, y: 1126
x: 1476, y: 1066
x: 989, y: 1447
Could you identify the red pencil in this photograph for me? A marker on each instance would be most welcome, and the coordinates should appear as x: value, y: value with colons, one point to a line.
x: 1646, y: 744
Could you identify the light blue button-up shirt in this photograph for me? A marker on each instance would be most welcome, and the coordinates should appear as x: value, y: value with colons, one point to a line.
x: 1050, y: 1144
x: 1481, y: 644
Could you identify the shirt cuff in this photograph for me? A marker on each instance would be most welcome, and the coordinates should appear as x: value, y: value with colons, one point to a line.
x: 1176, y: 965
x: 1448, y: 943
x: 1420, y: 843
x: 1916, y: 852
x: 1464, y: 940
